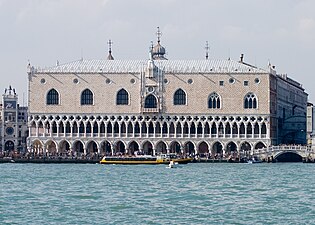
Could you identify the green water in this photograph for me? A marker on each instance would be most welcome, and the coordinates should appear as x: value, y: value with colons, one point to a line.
x: 143, y: 194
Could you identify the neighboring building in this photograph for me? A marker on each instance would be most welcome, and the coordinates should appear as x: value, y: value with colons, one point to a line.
x: 291, y: 111
x: 14, y: 130
x: 310, y: 123
x: 215, y: 107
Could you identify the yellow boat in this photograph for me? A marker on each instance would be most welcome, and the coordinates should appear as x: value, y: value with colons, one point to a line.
x: 143, y: 159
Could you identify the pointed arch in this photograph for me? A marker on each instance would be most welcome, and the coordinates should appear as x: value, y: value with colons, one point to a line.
x: 68, y: 127
x: 133, y: 147
x: 249, y: 129
x: 150, y: 102
x: 189, y: 148
x: 123, y: 128
x: 192, y: 129
x: 158, y: 128
x: 106, y: 148
x: 122, y: 97
x: 64, y: 146
x: 260, y: 145
x: 234, y: 128
x: 227, y: 129
x: 102, y: 128
x: 214, y: 128
x: 242, y: 128
x: 52, y: 97
x: 91, y: 147
x: 88, y: 127
x: 164, y: 128
x: 179, y: 97
x: 178, y: 129
x: 221, y: 128
x: 129, y: 128
x: 172, y: 128
x: 120, y: 147
x: 199, y: 128
x: 186, y: 128
x: 95, y: 128
x: 151, y: 128
x: 109, y: 128
x: 87, y: 97
x: 116, y: 128
x: 256, y: 128
x: 207, y: 128
x: 148, y: 148
x: 161, y: 148
x: 214, y: 101
x: 217, y: 150
x: 250, y: 101
x: 231, y: 148
x: 144, y: 128
x: 137, y: 128
x: 175, y: 147
x: 203, y: 148
x: 78, y: 146
x: 263, y: 129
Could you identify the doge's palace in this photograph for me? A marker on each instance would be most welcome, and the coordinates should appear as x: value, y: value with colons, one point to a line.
x: 157, y: 105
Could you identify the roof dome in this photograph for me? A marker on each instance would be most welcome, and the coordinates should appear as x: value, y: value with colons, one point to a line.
x: 158, y: 49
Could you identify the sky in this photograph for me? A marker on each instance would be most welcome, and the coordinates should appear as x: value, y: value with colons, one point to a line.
x: 43, y: 32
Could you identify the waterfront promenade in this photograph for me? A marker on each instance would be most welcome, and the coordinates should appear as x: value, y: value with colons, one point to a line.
x: 282, y: 153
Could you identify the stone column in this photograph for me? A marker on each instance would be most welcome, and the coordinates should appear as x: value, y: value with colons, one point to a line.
x: 36, y: 129
x: 57, y: 124
x: 71, y: 130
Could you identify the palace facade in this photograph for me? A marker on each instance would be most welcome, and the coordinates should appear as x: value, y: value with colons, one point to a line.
x: 153, y: 106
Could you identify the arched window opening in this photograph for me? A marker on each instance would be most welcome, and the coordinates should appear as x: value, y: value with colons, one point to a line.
x: 214, y: 101
x: 122, y: 97
x: 150, y: 102
x: 151, y: 128
x: 87, y: 97
x: 192, y: 128
x: 172, y: 128
x: 180, y: 97
x: 250, y: 101
x: 186, y: 128
x: 52, y: 97
x: 263, y: 129
x: 137, y: 128
x: 214, y: 129
x: 164, y: 128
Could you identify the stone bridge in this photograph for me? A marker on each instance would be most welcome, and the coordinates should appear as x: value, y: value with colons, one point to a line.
x: 285, y: 153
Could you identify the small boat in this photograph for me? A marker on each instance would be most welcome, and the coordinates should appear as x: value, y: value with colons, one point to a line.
x: 172, y: 164
x: 130, y: 160
x: 143, y: 159
x: 254, y: 160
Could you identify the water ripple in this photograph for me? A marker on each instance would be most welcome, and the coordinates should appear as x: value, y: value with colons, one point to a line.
x: 190, y: 194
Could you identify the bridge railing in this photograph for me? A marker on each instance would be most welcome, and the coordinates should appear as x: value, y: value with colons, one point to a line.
x: 279, y: 148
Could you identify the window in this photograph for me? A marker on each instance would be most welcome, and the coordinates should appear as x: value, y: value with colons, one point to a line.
x: 245, y: 82
x: 87, y: 97
x: 180, y: 97
x: 221, y: 82
x: 52, y: 97
x: 122, y: 97
x: 250, y: 101
x: 214, y: 101
x: 150, y: 102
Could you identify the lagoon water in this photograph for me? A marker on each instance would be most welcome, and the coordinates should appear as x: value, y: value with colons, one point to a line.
x: 280, y: 193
